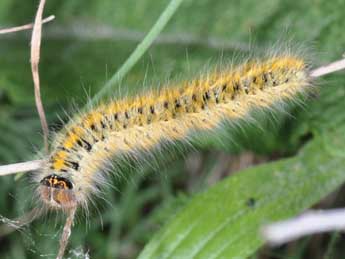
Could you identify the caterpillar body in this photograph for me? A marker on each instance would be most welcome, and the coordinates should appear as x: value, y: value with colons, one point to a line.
x: 74, y: 170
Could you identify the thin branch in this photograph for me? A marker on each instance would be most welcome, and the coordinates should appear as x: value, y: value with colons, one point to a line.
x: 11, y: 225
x: 82, y: 30
x: 66, y: 232
x: 26, y: 26
x: 35, y: 59
x: 93, y: 32
x: 328, y: 69
x: 21, y: 167
x: 309, y: 223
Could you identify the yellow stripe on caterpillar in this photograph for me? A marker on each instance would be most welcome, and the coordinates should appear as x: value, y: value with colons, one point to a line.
x: 140, y: 123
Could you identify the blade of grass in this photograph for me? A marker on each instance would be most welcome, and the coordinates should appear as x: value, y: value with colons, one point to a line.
x: 138, y: 52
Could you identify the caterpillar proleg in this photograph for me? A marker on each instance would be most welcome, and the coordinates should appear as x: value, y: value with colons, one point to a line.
x: 75, y: 168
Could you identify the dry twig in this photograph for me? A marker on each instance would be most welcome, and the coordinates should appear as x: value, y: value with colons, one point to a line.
x: 66, y: 232
x: 309, y: 223
x: 35, y: 58
x: 26, y: 26
x: 328, y: 69
x: 11, y: 225
x: 21, y: 167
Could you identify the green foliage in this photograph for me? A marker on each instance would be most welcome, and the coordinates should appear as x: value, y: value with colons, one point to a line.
x: 225, y: 221
x: 75, y: 64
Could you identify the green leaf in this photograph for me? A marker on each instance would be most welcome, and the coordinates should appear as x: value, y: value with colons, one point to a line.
x: 225, y: 221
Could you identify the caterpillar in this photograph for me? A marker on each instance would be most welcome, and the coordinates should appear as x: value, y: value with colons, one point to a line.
x: 75, y: 170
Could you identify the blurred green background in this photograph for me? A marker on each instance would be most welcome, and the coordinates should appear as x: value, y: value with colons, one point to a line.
x: 88, y: 42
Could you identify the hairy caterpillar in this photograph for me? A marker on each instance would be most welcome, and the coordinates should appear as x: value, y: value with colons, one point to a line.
x: 75, y: 169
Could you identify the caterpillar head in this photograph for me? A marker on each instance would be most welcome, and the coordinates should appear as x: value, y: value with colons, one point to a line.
x: 57, y: 192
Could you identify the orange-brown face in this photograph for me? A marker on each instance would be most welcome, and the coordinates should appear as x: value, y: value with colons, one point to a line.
x: 57, y: 191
